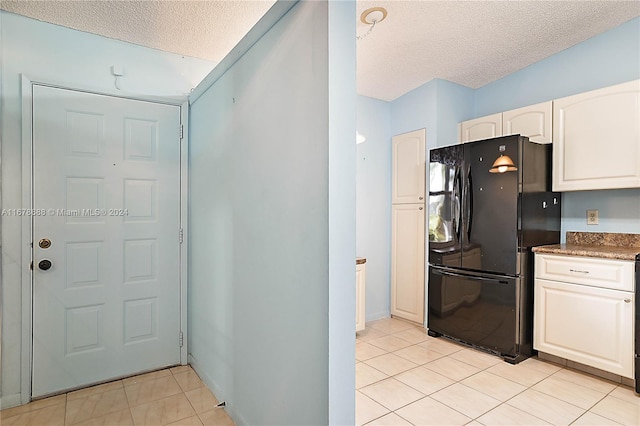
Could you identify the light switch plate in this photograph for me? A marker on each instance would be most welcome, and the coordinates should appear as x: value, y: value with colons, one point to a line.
x: 592, y: 217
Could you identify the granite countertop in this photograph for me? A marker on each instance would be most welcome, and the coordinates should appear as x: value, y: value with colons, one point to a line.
x: 597, y: 244
x: 361, y: 260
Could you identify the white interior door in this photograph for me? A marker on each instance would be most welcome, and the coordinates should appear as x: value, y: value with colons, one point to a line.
x: 106, y: 193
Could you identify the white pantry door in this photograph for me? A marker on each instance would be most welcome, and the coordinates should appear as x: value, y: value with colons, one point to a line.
x: 106, y: 194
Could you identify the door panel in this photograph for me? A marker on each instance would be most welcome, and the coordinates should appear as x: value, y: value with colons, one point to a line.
x: 107, y: 176
x: 407, y: 265
x: 475, y: 309
x: 445, y: 179
x: 408, y: 167
x: 490, y: 207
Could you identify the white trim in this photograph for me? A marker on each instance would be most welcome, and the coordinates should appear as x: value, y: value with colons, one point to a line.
x: 168, y: 100
x: 26, y: 358
x: 184, y: 216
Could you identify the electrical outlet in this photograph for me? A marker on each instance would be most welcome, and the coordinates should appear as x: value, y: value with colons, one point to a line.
x: 592, y: 217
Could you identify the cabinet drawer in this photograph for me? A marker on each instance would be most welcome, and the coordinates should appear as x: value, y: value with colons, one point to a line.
x: 605, y: 273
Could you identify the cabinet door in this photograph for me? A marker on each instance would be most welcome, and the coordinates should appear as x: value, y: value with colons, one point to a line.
x: 533, y: 121
x: 407, y: 262
x: 597, y: 139
x: 589, y: 325
x: 361, y: 274
x: 408, y: 167
x: 481, y: 128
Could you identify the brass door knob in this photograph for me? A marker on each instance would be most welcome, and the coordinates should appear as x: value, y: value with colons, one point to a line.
x: 44, y: 243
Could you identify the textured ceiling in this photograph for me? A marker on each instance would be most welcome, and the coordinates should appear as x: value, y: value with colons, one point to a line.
x: 467, y: 42
x: 472, y: 42
x: 201, y: 29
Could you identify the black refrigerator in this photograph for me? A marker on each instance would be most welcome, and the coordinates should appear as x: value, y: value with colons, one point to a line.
x: 490, y: 202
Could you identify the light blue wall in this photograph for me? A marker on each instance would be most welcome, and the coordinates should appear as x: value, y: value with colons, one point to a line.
x: 609, y: 58
x: 50, y: 53
x: 415, y: 110
x: 342, y: 207
x: 438, y: 106
x: 373, y: 202
x: 272, y: 224
x: 453, y: 106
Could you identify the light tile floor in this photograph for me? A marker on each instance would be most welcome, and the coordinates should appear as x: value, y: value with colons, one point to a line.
x: 405, y: 377
x: 174, y: 396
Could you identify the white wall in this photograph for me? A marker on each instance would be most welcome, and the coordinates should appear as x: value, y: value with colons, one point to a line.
x: 51, y: 53
x: 272, y: 224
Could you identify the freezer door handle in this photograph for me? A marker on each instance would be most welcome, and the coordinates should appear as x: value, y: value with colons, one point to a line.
x: 469, y: 277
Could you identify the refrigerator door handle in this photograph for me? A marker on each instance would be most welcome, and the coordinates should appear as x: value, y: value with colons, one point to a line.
x: 457, y: 184
x: 469, y: 205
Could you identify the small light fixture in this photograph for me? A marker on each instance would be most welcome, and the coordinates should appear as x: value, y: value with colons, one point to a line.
x: 371, y: 17
x: 360, y: 137
x: 503, y: 164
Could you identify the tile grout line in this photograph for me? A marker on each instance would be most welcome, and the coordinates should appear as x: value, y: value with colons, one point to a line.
x: 483, y: 369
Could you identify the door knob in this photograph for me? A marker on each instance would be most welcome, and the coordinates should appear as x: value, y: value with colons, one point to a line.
x: 44, y: 243
x: 44, y: 264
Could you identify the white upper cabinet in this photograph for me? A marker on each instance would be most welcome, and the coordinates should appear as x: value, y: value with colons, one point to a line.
x: 408, y: 167
x: 597, y: 139
x: 533, y: 121
x: 477, y: 129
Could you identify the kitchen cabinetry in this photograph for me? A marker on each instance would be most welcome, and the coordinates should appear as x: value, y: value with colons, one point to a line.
x: 408, y: 225
x: 597, y: 139
x: 533, y: 121
x: 408, y: 167
x: 361, y: 277
x: 584, y: 311
x: 407, y: 261
x: 480, y: 128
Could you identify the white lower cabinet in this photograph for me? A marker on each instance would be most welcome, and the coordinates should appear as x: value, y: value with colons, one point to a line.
x: 361, y: 276
x: 582, y: 322
x: 407, y: 262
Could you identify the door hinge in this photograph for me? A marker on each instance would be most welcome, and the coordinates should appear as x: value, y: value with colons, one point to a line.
x: 181, y: 339
x: 181, y: 236
x: 181, y: 131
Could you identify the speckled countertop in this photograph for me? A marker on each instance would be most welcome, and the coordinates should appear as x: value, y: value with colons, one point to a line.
x: 361, y: 260
x: 596, y: 244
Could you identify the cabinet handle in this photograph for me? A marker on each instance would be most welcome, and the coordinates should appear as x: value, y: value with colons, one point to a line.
x: 578, y: 271
x: 420, y: 198
x: 627, y: 300
x: 419, y: 208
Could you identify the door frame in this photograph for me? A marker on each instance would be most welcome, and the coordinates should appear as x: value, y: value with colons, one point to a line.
x: 26, y: 350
